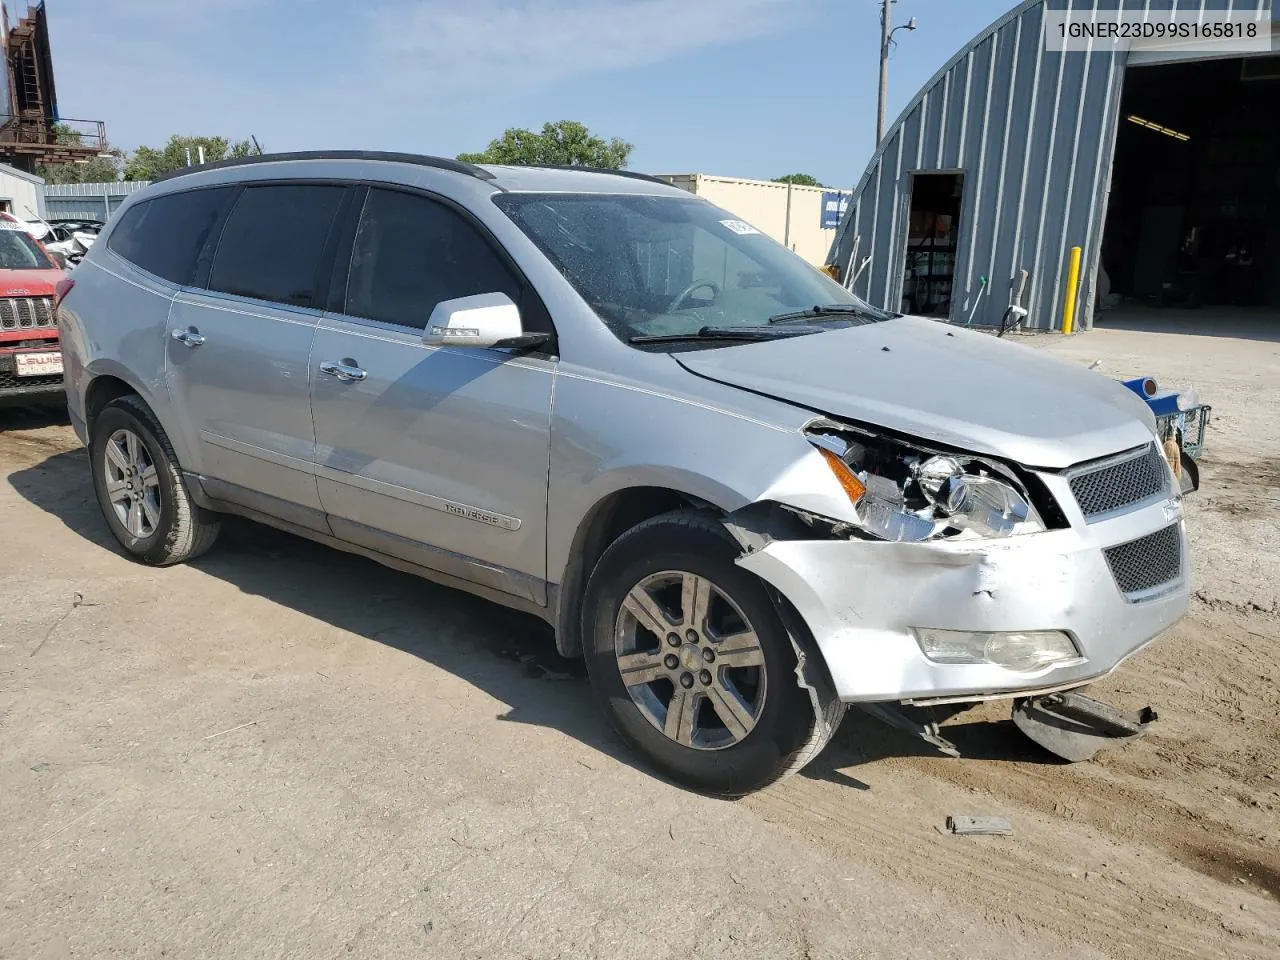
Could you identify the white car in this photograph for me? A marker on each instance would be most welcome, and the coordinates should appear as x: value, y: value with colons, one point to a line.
x: 70, y: 240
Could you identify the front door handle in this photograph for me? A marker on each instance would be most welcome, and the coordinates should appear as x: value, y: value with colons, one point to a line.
x: 189, y: 337
x: 344, y: 369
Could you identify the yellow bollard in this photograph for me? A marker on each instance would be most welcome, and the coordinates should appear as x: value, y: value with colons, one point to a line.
x: 1073, y: 283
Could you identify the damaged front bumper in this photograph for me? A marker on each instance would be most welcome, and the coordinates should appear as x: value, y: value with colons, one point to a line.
x: 864, y: 600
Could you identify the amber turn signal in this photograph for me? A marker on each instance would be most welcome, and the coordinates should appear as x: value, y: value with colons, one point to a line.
x: 853, y: 487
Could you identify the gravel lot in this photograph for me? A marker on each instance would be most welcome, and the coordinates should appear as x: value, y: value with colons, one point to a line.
x: 284, y: 751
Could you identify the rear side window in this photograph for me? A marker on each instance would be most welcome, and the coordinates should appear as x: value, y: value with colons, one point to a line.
x: 164, y: 236
x: 411, y: 253
x: 273, y: 242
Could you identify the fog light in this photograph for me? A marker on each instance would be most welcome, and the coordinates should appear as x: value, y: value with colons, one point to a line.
x: 1024, y: 651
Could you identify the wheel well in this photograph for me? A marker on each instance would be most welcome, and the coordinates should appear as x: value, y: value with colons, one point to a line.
x: 608, y: 520
x: 102, y: 390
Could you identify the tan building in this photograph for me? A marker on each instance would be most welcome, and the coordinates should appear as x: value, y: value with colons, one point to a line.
x: 790, y: 214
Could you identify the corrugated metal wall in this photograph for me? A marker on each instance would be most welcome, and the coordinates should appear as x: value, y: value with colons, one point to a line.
x: 1033, y: 131
x: 88, y: 201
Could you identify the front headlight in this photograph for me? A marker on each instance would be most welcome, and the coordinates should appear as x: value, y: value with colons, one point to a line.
x: 903, y: 493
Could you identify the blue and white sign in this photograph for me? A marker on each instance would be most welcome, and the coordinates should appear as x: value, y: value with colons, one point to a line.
x: 834, y: 204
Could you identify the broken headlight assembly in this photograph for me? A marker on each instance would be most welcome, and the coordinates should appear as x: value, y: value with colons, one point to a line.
x: 909, y: 494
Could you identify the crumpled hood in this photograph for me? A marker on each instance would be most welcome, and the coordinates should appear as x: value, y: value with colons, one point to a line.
x: 942, y: 383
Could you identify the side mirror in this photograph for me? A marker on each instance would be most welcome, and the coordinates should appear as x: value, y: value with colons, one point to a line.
x: 484, y: 320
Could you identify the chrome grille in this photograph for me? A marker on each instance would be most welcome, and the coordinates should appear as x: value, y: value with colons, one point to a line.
x: 1148, y: 562
x: 23, y: 313
x: 1120, y: 483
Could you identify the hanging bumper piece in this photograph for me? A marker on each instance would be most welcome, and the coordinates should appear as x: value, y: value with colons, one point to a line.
x: 1075, y: 727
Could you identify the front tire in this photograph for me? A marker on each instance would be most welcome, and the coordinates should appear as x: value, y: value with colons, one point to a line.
x: 141, y: 490
x: 691, y: 663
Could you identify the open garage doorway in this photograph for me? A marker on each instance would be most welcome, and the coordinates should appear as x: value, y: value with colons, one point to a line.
x: 1193, y: 218
x: 933, y: 224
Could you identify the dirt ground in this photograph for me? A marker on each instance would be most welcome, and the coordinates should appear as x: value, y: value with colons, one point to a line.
x: 284, y: 751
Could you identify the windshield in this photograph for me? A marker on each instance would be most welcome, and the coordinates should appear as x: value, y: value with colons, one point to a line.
x: 662, y: 266
x: 19, y: 252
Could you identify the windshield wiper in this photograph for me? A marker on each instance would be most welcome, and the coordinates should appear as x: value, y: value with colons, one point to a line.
x: 833, y: 311
x: 718, y: 333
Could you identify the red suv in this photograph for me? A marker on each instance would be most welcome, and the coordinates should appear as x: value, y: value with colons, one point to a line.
x: 30, y: 354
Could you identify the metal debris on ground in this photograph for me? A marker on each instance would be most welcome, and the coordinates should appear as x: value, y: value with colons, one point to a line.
x: 979, y: 826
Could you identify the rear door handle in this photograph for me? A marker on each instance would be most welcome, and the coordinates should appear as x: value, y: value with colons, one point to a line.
x: 344, y: 369
x: 189, y: 337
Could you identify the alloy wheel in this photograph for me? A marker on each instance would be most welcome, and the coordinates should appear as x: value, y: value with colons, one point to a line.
x: 690, y: 660
x: 132, y: 483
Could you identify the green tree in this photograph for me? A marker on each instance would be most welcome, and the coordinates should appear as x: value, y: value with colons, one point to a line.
x: 565, y: 143
x: 799, y: 179
x: 147, y: 163
x: 94, y: 170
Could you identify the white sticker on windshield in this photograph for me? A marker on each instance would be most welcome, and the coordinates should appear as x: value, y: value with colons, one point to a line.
x: 740, y: 227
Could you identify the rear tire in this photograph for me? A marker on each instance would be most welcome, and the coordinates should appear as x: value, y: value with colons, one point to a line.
x: 714, y: 702
x: 141, y: 490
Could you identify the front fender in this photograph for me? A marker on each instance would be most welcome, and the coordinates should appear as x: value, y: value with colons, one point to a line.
x: 607, y: 437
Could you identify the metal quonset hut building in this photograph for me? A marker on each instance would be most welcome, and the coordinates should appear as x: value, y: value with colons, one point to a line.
x: 1017, y: 142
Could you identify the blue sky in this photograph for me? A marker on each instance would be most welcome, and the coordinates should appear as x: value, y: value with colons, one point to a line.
x: 752, y: 88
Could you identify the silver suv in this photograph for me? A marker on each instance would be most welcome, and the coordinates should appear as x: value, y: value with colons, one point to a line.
x: 744, y: 495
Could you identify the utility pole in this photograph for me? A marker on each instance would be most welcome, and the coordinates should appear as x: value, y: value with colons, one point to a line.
x: 887, y: 30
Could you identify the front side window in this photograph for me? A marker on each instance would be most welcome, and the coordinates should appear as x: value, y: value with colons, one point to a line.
x: 273, y: 242
x: 663, y: 265
x: 18, y: 251
x: 411, y: 253
x: 164, y: 236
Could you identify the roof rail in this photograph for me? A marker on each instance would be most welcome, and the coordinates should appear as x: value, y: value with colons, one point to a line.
x: 442, y: 163
x: 617, y: 173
